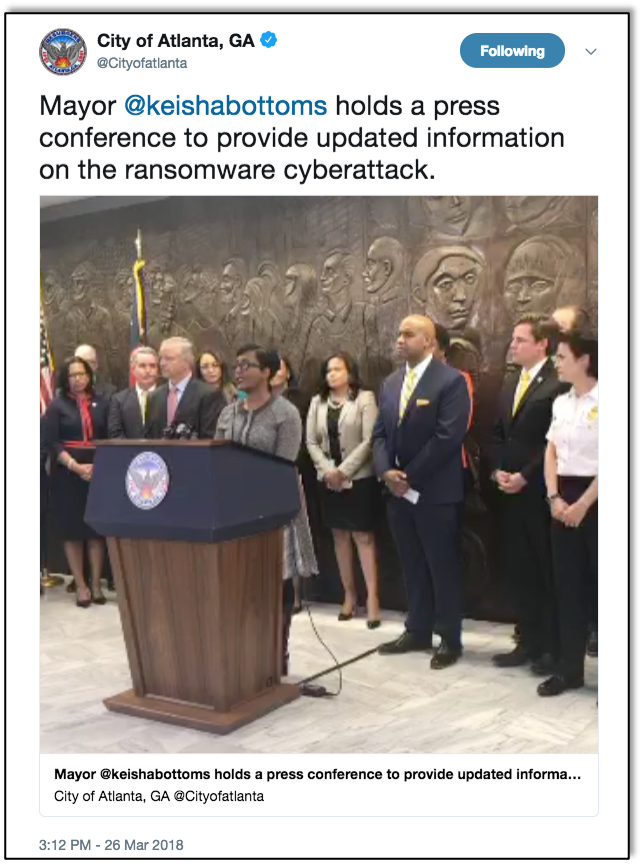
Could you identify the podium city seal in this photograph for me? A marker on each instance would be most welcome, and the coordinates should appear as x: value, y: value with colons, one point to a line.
x: 63, y: 51
x: 147, y: 480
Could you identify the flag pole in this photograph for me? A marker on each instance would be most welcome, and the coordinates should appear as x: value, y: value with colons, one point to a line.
x: 138, y: 324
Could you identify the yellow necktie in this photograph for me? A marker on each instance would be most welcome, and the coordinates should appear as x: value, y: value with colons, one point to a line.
x: 407, y: 391
x: 143, y: 404
x: 522, y: 387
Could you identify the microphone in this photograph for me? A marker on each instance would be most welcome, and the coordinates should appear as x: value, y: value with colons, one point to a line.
x: 179, y: 432
x: 185, y: 432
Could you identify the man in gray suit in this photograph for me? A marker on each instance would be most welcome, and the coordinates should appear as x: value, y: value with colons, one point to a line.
x: 128, y: 408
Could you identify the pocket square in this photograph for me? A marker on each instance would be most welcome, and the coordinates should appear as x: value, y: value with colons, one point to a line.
x: 421, y: 402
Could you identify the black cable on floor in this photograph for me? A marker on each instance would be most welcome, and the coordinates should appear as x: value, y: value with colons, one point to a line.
x: 337, y: 666
x: 340, y: 666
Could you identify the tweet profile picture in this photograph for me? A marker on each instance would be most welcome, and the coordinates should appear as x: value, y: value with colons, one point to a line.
x: 63, y: 51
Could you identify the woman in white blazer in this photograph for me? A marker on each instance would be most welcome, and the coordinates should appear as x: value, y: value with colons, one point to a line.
x: 339, y: 440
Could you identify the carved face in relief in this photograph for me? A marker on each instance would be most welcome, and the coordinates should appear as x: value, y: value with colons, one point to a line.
x: 384, y: 265
x: 337, y: 273
x: 534, y: 211
x: 166, y: 316
x: 52, y: 289
x: 541, y: 273
x: 448, y: 214
x: 455, y: 286
x: 160, y: 282
x: 123, y: 290
x: 252, y: 300
x: 447, y: 281
x: 300, y: 285
x: 81, y: 280
x: 232, y: 282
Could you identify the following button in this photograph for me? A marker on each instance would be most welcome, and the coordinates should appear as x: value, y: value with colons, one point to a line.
x: 512, y: 50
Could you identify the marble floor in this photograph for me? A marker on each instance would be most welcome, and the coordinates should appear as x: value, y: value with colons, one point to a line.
x: 386, y: 704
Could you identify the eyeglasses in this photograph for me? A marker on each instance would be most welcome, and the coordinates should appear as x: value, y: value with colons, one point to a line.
x: 244, y: 365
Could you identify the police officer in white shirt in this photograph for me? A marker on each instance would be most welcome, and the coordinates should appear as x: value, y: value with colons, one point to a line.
x: 570, y: 318
x: 570, y: 469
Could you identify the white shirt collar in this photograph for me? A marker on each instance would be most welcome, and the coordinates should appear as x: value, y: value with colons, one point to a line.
x: 181, y: 384
x: 534, y: 372
x: 592, y: 394
x: 140, y: 391
x: 420, y: 368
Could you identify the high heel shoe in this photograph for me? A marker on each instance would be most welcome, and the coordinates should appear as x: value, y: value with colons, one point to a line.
x: 348, y: 616
x: 83, y: 604
x: 98, y: 599
x: 372, y: 624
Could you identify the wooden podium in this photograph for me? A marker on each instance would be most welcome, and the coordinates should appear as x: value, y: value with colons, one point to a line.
x: 198, y: 575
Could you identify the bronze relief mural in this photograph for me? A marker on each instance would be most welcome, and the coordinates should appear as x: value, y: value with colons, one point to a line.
x: 311, y: 276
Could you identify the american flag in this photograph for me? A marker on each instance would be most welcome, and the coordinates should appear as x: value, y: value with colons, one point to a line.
x: 46, y: 365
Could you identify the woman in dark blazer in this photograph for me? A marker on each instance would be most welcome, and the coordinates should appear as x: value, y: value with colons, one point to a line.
x: 74, y: 419
x: 339, y: 440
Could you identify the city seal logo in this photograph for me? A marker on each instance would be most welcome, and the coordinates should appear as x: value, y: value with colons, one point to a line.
x: 63, y: 51
x: 147, y: 481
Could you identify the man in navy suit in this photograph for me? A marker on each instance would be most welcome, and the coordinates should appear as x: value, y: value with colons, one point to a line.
x: 128, y: 409
x: 516, y: 456
x: 424, y: 410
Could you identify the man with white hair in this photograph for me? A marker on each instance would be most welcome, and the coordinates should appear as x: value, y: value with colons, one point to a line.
x: 88, y: 354
x: 184, y: 399
x: 128, y: 409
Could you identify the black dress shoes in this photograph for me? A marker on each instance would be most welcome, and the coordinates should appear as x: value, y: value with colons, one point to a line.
x: 445, y: 656
x: 516, y: 657
x: 591, y: 645
x: 558, y: 684
x: 544, y: 665
x: 405, y: 643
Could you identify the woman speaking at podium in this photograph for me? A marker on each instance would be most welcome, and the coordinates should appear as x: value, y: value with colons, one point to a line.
x: 74, y: 419
x: 268, y: 422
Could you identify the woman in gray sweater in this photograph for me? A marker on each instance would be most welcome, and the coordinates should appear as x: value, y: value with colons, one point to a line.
x: 270, y: 423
